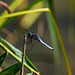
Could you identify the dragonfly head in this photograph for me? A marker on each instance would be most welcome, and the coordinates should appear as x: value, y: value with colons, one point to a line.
x: 30, y: 34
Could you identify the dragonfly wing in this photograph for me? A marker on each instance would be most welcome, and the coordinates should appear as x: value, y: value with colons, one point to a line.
x: 45, y: 44
x: 20, y: 32
x: 32, y: 44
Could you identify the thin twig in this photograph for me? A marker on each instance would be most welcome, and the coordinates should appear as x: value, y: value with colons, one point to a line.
x: 5, y: 5
x: 23, y: 55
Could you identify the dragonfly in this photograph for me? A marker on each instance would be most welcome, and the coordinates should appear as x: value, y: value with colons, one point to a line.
x: 31, y: 36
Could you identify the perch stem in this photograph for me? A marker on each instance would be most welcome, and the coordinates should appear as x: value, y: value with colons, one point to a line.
x: 23, y: 55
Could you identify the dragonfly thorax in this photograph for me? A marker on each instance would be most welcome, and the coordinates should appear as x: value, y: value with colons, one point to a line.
x: 30, y: 34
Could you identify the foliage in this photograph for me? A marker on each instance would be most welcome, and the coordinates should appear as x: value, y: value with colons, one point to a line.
x: 16, y: 53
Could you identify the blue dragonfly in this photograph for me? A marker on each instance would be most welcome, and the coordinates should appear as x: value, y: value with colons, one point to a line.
x: 36, y: 37
x: 31, y: 36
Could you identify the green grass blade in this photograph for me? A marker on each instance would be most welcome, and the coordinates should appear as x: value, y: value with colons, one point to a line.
x: 61, y: 43
x: 29, y: 74
x: 2, y: 57
x: 12, y: 70
x: 23, y: 13
x: 49, y: 4
x: 54, y: 43
x: 71, y: 22
x: 17, y: 54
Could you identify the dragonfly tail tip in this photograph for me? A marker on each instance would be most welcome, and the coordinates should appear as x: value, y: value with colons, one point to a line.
x: 52, y: 49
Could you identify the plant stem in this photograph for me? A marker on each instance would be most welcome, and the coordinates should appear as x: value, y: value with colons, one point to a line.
x: 61, y: 43
x: 23, y: 55
x: 5, y: 5
x: 25, y: 12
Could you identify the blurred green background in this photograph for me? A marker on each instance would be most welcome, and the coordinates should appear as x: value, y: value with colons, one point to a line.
x: 40, y: 55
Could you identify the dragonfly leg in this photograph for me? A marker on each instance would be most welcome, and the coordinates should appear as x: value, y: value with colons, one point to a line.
x: 33, y: 46
x: 29, y: 40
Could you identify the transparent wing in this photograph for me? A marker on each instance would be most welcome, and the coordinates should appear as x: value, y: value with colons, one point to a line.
x: 32, y: 44
x: 20, y: 32
x: 45, y: 44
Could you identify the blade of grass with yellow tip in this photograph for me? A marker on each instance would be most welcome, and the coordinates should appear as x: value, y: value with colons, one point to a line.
x: 49, y: 3
x: 51, y: 19
x: 5, y: 22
